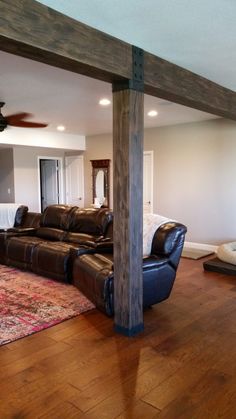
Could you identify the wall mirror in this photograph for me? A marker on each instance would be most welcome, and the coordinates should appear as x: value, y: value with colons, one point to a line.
x: 101, y: 182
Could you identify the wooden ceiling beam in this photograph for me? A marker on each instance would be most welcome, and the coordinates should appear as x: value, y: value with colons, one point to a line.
x: 176, y: 84
x: 35, y: 31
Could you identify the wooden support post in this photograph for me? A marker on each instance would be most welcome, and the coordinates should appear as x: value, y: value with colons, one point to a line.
x: 128, y: 209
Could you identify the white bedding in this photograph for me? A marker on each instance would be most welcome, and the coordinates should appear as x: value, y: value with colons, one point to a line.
x: 7, y: 215
x: 151, y: 222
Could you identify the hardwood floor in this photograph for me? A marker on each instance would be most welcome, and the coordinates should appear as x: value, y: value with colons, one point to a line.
x: 182, y: 367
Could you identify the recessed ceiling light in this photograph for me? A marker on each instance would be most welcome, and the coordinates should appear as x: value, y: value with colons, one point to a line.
x: 61, y: 128
x: 104, y: 102
x: 152, y: 113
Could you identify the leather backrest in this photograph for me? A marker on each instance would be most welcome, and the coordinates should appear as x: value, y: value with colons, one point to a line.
x: 90, y: 220
x: 20, y: 214
x: 31, y: 220
x: 57, y: 216
x: 167, y: 237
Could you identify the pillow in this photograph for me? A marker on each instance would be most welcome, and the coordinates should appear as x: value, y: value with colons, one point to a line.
x: 227, y: 252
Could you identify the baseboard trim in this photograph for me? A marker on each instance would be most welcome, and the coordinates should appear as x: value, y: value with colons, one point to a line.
x: 202, y: 246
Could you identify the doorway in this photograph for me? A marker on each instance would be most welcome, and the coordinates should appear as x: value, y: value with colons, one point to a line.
x: 50, y: 178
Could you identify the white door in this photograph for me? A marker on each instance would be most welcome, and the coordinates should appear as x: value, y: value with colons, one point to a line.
x: 148, y: 181
x: 49, y: 183
x: 75, y: 180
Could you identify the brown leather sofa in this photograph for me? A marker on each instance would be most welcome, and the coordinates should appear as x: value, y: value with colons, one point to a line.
x: 75, y: 245
x: 46, y: 249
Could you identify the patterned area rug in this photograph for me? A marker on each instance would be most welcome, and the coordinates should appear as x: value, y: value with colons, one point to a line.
x: 30, y: 303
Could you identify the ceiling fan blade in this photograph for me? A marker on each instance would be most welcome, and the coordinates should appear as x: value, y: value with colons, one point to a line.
x: 16, y: 117
x: 26, y: 124
x: 17, y: 120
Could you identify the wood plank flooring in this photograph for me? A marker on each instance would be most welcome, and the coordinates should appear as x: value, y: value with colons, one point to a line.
x: 183, y: 366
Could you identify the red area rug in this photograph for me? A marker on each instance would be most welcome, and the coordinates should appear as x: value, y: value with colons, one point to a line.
x: 30, y: 303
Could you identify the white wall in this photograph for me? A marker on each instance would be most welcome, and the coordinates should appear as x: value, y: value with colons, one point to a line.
x: 41, y: 138
x: 194, y: 178
x: 27, y: 145
x: 194, y: 175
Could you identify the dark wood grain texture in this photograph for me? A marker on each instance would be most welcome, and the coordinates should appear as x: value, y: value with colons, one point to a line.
x: 183, y: 365
x: 32, y: 30
x: 35, y: 31
x: 128, y: 208
x: 176, y: 84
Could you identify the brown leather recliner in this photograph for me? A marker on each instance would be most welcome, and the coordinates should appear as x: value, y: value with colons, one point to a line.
x: 19, y: 249
x: 93, y: 272
x: 24, y: 220
x: 47, y: 251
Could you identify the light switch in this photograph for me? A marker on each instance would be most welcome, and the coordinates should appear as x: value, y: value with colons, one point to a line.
x: 9, y: 191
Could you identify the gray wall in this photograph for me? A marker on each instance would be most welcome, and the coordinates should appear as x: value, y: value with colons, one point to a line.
x: 6, y: 175
x: 26, y: 173
x: 194, y: 176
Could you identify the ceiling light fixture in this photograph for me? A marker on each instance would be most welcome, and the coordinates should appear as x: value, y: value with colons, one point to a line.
x: 61, y: 128
x: 104, y: 102
x: 152, y: 113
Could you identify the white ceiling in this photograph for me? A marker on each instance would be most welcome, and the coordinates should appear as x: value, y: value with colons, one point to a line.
x: 198, y: 35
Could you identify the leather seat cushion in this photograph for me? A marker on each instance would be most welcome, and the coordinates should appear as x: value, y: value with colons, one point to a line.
x: 49, y: 233
x: 93, y: 276
x: 19, y: 249
x: 53, y: 259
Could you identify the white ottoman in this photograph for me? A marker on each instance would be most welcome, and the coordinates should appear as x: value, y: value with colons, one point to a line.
x: 227, y: 252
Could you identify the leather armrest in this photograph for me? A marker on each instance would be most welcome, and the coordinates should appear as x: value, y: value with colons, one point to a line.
x: 104, y: 247
x: 154, y: 261
x: 167, y: 237
x: 81, y: 250
x: 99, y: 246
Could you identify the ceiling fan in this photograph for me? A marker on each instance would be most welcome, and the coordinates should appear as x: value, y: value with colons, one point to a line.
x: 18, y: 120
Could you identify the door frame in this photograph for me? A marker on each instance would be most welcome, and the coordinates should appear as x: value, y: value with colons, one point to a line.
x: 151, y: 153
x: 60, y: 178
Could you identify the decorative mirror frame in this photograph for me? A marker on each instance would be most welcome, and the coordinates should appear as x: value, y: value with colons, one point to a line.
x: 103, y: 165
